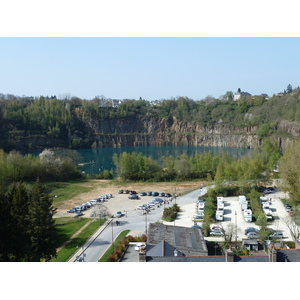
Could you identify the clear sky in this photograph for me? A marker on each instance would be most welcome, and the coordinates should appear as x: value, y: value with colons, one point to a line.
x: 151, y: 68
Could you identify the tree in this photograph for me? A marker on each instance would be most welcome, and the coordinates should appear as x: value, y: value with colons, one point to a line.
x: 19, y: 212
x: 6, y: 225
x: 41, y: 229
x: 289, y: 89
x: 293, y: 227
x: 289, y: 168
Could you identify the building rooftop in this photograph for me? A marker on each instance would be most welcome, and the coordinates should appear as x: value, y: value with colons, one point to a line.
x: 187, y: 240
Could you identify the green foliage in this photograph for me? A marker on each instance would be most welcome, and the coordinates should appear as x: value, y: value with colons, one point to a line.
x: 49, y: 165
x: 170, y: 213
x: 289, y: 166
x: 31, y: 232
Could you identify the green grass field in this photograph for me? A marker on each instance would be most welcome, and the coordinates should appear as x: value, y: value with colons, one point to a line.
x: 66, y: 228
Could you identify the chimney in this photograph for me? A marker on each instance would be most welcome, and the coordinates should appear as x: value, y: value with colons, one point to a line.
x: 229, y: 255
x: 142, y: 256
x: 272, y: 254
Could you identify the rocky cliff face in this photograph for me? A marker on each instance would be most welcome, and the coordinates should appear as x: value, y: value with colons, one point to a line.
x: 152, y: 131
x: 147, y: 131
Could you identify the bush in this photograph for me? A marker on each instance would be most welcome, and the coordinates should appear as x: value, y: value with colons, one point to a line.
x: 170, y: 213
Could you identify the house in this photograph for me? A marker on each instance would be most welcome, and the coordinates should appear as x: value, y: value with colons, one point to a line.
x: 168, y: 243
x: 239, y: 95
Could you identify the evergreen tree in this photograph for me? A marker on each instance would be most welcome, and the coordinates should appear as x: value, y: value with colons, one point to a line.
x: 5, y: 228
x: 42, y: 228
x: 19, y: 238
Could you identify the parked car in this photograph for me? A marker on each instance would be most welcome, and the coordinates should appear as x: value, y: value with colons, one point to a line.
x: 143, y: 194
x: 252, y: 235
x: 216, y: 232
x: 120, y: 191
x: 78, y: 214
x: 140, y: 207
x: 149, y: 193
x: 140, y: 246
x: 276, y: 235
x: 133, y: 196
x: 168, y: 195
x: 72, y: 210
x: 162, y: 194
x: 198, y: 217
x: 251, y: 229
x: 125, y: 191
x: 159, y: 200
x: 119, y: 214
x: 155, y: 194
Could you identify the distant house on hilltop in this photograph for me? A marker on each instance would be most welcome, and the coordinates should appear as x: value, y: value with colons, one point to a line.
x: 240, y: 94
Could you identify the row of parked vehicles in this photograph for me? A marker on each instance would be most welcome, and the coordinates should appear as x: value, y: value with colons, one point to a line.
x: 150, y: 205
x: 78, y: 210
x: 253, y: 233
x: 154, y: 194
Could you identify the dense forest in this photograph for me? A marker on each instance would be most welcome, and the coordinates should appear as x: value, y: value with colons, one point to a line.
x: 73, y: 122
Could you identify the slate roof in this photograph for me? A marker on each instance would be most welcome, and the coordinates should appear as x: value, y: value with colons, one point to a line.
x: 252, y: 258
x: 163, y: 248
x: 187, y: 259
x: 187, y: 240
x: 288, y: 255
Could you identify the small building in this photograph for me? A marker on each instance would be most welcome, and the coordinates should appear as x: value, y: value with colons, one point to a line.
x: 240, y: 95
x: 250, y: 244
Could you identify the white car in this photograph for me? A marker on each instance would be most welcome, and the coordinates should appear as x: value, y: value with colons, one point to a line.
x: 140, y: 246
x: 119, y: 214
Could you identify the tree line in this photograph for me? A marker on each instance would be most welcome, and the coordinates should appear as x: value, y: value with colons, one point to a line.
x: 221, y: 168
x: 49, y: 165
x: 74, y: 121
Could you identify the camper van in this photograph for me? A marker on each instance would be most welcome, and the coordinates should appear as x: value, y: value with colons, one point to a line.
x: 219, y: 215
x: 248, y: 215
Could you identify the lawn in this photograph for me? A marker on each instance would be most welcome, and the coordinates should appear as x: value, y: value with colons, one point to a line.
x: 66, y: 228
x: 62, y: 191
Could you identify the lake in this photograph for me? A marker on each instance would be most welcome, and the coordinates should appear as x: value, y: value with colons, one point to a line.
x: 102, y: 157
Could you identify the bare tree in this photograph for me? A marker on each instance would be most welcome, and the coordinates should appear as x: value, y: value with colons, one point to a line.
x: 293, y: 228
x: 100, y: 211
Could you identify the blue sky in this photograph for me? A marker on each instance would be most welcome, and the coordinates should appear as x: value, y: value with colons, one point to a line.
x: 147, y: 67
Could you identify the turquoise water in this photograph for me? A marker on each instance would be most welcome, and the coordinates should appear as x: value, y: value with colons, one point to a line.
x: 102, y: 157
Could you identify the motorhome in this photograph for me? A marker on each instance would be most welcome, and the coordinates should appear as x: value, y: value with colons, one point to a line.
x: 248, y: 215
x: 244, y: 205
x: 219, y: 215
x: 201, y: 204
x: 269, y: 214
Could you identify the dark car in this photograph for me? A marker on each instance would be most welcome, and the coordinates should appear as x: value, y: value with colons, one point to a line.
x: 155, y: 194
x: 120, y: 191
x: 162, y: 194
x: 132, y: 192
x: 143, y: 194
x: 251, y: 229
x: 133, y: 196
x: 72, y: 210
x: 149, y: 194
x: 125, y: 191
x: 168, y: 195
